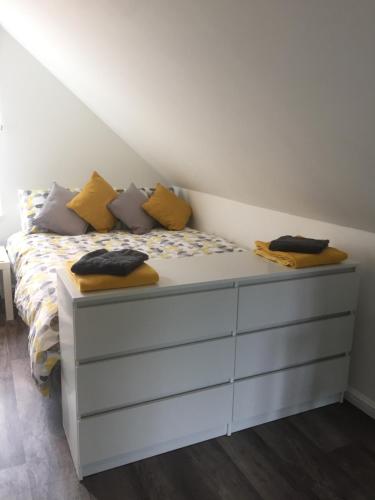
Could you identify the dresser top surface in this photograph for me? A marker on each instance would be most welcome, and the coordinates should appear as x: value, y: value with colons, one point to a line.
x: 203, y: 272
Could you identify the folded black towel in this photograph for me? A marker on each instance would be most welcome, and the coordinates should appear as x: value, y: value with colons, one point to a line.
x: 298, y: 244
x: 116, y: 263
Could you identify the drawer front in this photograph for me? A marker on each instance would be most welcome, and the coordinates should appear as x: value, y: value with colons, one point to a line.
x: 145, y: 324
x: 155, y: 374
x: 275, y: 391
x: 269, y: 350
x: 275, y: 303
x: 139, y: 427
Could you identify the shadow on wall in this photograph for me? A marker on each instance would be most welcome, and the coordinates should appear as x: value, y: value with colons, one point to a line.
x: 50, y: 135
x: 245, y: 223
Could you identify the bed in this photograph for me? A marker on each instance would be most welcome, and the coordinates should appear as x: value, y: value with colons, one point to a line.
x: 224, y: 341
x: 35, y: 258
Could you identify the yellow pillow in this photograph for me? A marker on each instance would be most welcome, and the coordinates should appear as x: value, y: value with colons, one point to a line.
x: 172, y: 212
x: 91, y: 203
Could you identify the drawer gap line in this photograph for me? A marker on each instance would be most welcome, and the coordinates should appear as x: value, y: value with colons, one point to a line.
x: 87, y: 302
x: 262, y: 281
x: 299, y: 365
x: 296, y: 322
x: 126, y: 354
x: 151, y: 401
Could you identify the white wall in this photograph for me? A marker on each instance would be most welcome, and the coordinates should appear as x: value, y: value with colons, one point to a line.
x: 245, y: 223
x: 50, y: 135
x: 268, y: 102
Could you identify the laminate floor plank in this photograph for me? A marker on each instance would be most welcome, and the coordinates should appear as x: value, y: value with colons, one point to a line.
x: 41, y: 420
x: 355, y: 424
x: 322, y: 475
x: 258, y: 462
x: 17, y: 336
x: 14, y: 484
x: 60, y: 490
x: 45, y: 477
x: 11, y: 443
x: 5, y: 368
x: 155, y: 479
x: 359, y: 463
x: 322, y: 429
x: 115, y: 484
x: 206, y: 466
x: 49, y: 465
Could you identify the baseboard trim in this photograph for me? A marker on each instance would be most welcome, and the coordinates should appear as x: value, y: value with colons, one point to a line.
x: 361, y: 401
x: 284, y: 412
x: 150, y: 451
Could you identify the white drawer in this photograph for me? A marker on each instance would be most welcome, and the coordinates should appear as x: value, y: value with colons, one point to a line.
x: 268, y: 393
x: 269, y: 350
x: 145, y: 324
x: 140, y: 427
x: 279, y: 302
x: 155, y: 374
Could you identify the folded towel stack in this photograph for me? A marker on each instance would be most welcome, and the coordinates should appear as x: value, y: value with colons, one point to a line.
x: 104, y: 270
x: 297, y: 259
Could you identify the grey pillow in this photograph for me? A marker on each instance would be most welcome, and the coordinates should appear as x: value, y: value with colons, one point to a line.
x: 128, y: 208
x: 56, y: 217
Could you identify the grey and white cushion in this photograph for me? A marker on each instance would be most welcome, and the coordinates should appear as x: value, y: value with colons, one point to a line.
x: 31, y: 202
x: 55, y: 217
x: 127, y: 207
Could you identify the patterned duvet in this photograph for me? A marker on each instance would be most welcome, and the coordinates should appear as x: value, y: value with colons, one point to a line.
x: 35, y: 258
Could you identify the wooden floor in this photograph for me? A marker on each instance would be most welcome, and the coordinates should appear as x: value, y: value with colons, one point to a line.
x: 327, y: 453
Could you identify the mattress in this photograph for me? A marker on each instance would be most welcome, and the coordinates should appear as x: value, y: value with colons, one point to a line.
x: 35, y: 257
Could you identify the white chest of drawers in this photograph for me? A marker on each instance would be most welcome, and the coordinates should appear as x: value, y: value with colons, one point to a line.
x: 223, y: 342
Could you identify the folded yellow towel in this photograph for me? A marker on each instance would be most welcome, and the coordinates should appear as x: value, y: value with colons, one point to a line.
x: 292, y: 259
x: 143, y: 275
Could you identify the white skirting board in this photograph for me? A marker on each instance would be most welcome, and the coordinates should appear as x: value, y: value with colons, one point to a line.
x: 360, y: 401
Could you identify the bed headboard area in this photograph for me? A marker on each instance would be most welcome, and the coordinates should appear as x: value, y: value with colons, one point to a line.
x: 31, y: 201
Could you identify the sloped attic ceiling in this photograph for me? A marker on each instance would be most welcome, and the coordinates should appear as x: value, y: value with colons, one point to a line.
x: 269, y: 102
